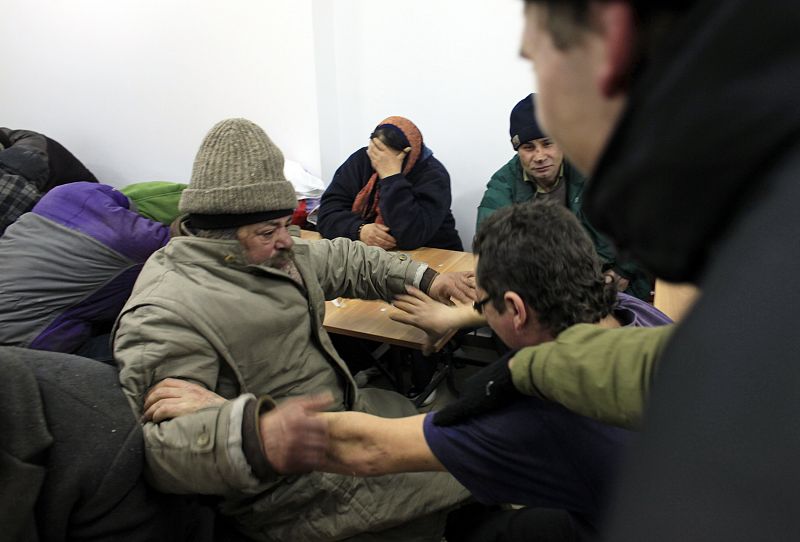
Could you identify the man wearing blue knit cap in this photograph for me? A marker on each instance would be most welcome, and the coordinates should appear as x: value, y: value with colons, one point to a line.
x: 539, y: 171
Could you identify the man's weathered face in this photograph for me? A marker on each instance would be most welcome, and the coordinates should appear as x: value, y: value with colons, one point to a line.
x: 541, y: 159
x: 267, y: 243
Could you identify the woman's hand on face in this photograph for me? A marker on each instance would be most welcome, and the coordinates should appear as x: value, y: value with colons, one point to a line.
x: 385, y: 160
x: 377, y: 235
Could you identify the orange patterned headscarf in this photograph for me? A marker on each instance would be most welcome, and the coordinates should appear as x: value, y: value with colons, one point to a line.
x: 366, y: 202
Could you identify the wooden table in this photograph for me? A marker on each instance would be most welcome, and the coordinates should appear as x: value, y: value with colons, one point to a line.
x: 370, y: 319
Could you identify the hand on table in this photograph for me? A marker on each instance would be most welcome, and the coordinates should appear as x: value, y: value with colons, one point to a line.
x: 173, y: 397
x: 377, y: 235
x: 385, y: 160
x: 460, y: 285
x: 434, y: 318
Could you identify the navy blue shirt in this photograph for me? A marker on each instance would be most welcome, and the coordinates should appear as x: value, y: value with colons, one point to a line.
x: 416, y: 208
x: 535, y: 453
x: 538, y: 453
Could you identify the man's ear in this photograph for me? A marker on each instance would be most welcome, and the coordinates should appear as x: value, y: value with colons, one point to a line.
x: 616, y: 23
x: 517, y: 308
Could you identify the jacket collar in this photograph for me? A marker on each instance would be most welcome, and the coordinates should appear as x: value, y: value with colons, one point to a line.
x: 709, y: 117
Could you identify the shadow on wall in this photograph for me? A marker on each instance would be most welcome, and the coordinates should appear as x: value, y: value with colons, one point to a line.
x: 465, y: 211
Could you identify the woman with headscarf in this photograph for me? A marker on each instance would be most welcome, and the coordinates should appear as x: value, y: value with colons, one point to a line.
x: 393, y: 193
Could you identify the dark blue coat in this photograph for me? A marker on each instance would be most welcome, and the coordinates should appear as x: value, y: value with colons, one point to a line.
x: 416, y: 208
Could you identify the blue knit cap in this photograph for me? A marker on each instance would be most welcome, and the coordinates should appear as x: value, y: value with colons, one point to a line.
x: 524, y: 127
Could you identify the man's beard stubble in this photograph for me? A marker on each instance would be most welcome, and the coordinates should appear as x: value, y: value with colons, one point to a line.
x: 280, y: 259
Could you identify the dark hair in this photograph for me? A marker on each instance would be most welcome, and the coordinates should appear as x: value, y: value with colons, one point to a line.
x: 392, y: 136
x: 568, y: 19
x: 540, y: 251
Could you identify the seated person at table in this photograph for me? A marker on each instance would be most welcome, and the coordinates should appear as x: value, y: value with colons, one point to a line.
x: 68, y: 266
x: 529, y: 452
x: 539, y: 171
x: 391, y: 194
x: 30, y: 165
x: 236, y: 305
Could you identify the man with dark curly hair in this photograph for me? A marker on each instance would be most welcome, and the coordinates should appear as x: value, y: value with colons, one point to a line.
x: 531, y: 452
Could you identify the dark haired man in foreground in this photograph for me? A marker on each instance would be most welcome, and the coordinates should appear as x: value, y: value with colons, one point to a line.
x: 684, y: 113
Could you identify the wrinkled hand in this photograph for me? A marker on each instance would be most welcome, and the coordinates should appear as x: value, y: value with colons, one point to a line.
x: 423, y: 312
x: 459, y: 285
x: 385, y: 160
x: 620, y: 282
x: 488, y: 389
x: 295, y: 436
x: 173, y: 397
x: 377, y: 235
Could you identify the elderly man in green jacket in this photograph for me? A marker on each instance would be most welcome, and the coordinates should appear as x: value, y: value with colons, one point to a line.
x: 235, y: 305
x: 539, y: 171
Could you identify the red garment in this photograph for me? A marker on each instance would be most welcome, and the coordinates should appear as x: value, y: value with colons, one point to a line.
x: 300, y: 215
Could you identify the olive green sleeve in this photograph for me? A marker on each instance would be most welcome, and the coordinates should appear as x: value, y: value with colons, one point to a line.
x: 601, y: 373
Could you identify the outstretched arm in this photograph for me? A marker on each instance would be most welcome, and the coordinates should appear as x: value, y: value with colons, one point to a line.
x: 293, y: 437
x: 366, y: 445
x: 349, y: 269
x: 359, y: 444
x: 603, y: 374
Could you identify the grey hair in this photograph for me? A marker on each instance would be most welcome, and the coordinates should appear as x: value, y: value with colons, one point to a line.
x: 226, y: 234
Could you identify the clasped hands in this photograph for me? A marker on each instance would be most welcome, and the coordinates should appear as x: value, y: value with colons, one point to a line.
x: 293, y: 435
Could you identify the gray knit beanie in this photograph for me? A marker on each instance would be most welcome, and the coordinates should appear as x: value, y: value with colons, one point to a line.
x: 237, y: 179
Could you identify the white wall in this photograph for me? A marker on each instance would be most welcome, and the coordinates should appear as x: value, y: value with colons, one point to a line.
x: 131, y: 86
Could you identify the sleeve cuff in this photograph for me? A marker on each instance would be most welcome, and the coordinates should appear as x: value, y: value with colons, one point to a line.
x: 355, y: 234
x: 427, y: 279
x: 251, y: 437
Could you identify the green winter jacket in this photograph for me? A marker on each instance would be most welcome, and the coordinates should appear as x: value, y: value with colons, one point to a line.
x: 201, y: 313
x: 508, y: 186
x: 600, y: 373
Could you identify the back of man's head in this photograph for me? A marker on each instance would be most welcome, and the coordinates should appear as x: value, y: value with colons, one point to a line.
x: 568, y: 18
x: 540, y: 251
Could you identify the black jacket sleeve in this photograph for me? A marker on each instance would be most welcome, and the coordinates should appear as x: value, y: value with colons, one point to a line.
x: 336, y: 219
x: 415, y: 207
